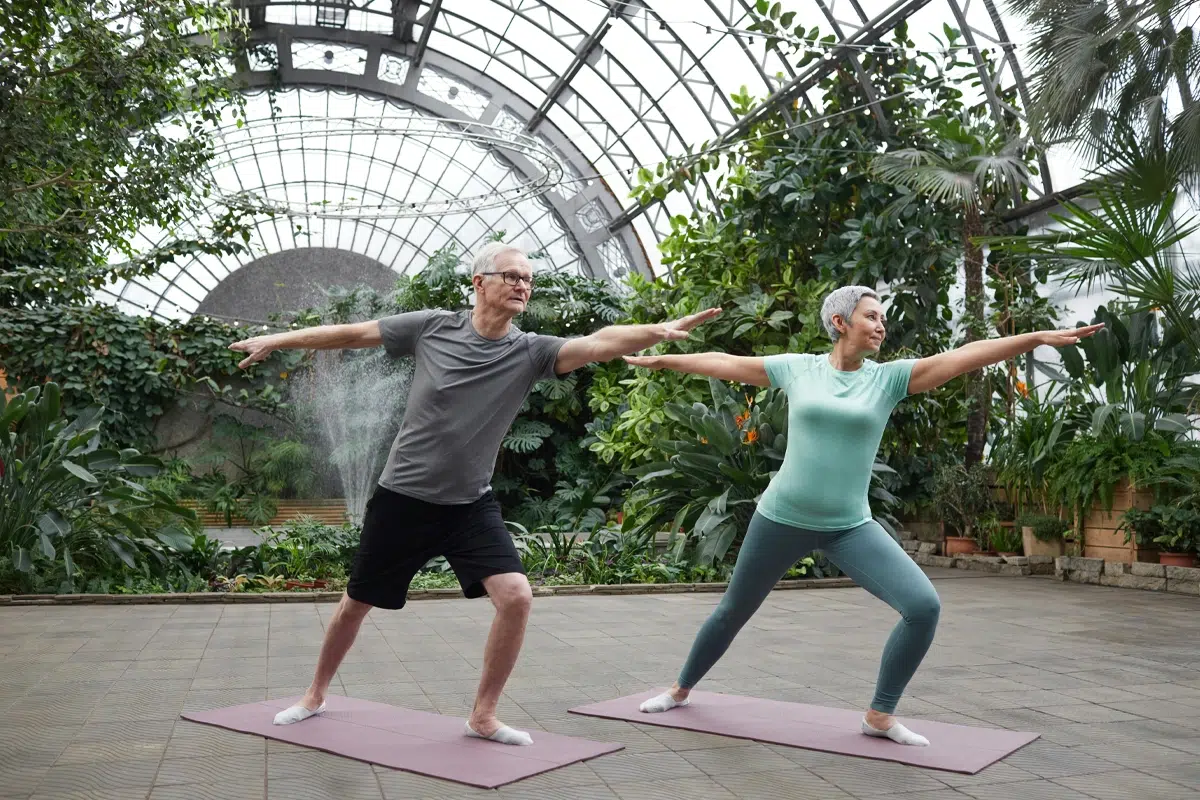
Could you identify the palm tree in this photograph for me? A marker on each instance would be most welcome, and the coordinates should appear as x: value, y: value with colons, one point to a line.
x: 1096, y: 65
x: 1129, y: 242
x: 979, y: 168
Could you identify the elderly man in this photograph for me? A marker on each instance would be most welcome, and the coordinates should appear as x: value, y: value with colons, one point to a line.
x: 474, y: 370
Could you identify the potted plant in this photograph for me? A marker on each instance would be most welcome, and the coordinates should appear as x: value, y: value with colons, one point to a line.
x: 1005, y: 540
x: 1042, y: 534
x: 962, y: 499
x: 1175, y: 529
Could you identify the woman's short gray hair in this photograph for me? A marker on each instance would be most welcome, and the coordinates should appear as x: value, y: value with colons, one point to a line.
x: 842, y: 302
x: 485, y: 259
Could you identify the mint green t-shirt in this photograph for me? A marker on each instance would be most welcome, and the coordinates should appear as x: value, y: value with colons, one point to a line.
x: 835, y: 423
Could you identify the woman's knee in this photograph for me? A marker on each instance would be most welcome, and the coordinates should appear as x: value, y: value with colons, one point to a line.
x: 925, y: 609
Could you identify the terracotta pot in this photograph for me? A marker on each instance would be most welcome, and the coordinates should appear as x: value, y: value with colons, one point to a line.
x: 1177, y: 559
x: 961, y: 545
x: 318, y: 584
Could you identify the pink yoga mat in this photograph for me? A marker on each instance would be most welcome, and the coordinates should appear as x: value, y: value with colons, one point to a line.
x: 413, y: 741
x: 955, y: 748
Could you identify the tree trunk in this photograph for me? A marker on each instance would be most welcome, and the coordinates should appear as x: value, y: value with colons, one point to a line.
x: 978, y: 394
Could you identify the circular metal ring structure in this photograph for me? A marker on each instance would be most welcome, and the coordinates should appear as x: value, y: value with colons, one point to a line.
x: 286, y: 132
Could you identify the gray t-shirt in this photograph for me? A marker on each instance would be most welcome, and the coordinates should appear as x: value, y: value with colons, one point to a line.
x: 466, y: 392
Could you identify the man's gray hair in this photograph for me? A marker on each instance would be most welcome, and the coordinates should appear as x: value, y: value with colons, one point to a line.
x: 842, y: 302
x: 485, y: 259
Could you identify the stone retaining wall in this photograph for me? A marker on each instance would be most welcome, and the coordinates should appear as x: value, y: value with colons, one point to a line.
x: 423, y: 594
x: 1138, y: 575
x: 926, y: 554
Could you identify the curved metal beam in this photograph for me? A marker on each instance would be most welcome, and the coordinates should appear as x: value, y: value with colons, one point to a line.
x: 369, y: 83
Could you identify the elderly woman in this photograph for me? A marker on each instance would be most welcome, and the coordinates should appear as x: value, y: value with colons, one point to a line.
x: 838, y: 404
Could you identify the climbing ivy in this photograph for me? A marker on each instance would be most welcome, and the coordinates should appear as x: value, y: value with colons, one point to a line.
x: 135, y: 367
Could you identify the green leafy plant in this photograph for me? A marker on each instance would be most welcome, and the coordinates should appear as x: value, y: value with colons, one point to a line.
x: 69, y: 504
x: 1003, y: 539
x: 962, y: 499
x: 85, y: 157
x: 1046, y: 528
x: 1175, y: 529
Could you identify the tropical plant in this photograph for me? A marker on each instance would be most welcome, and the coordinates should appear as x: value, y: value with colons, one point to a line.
x: 1025, y: 450
x: 1099, y: 66
x: 1126, y: 238
x: 1175, y: 529
x: 1004, y: 539
x: 705, y: 491
x: 977, y: 168
x: 70, y: 504
x: 1141, y: 364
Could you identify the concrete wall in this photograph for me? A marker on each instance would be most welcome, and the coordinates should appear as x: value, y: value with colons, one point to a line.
x: 278, y: 282
x: 291, y: 280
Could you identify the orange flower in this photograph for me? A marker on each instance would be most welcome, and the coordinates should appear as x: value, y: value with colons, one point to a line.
x: 740, y: 419
x: 1022, y: 388
x: 752, y: 435
x: 703, y: 440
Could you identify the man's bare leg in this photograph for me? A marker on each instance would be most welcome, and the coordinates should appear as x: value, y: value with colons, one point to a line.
x: 512, y: 597
x: 339, y: 637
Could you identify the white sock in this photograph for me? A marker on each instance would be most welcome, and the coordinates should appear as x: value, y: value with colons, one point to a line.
x: 663, y: 702
x: 897, y: 733
x: 297, y: 713
x: 505, y: 735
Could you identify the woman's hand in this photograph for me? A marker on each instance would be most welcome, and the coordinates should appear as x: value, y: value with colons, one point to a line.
x: 1067, y: 336
x: 649, y: 362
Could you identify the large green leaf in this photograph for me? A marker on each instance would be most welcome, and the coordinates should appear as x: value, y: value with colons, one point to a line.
x: 79, y: 472
x: 53, y: 523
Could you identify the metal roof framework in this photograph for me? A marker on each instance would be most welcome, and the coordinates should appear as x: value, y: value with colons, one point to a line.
x: 608, y: 85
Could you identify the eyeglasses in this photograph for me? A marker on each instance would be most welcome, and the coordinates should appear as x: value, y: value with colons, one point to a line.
x: 513, y: 278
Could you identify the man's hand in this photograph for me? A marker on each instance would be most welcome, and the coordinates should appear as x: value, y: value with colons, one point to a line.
x: 678, y: 329
x: 1068, y: 336
x: 259, y: 347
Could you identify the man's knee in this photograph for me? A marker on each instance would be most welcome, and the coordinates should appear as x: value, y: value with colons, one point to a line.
x: 351, y: 610
x: 510, y: 593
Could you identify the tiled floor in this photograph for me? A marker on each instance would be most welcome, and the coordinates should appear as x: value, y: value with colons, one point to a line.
x: 91, y: 695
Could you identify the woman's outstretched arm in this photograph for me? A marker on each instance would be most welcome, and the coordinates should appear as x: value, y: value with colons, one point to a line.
x: 930, y: 373
x: 743, y: 369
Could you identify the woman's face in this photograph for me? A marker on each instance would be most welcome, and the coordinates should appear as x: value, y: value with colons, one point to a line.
x: 866, y: 328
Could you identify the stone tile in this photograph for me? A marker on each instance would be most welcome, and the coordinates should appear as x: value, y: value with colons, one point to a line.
x: 1183, y: 774
x: 221, y: 769
x: 730, y: 760
x: 126, y: 775
x: 792, y: 784
x: 396, y: 785
x: 865, y: 778
x: 324, y: 787
x: 698, y: 788
x: 519, y: 791
x: 1088, y: 713
x: 1048, y: 760
x: 629, y: 767
x: 1032, y: 790
x: 1139, y: 755
x: 1128, y: 784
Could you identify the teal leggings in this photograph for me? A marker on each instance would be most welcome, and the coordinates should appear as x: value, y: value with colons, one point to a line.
x: 867, y: 554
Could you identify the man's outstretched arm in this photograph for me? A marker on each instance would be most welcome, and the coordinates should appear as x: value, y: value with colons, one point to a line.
x: 621, y: 340
x: 322, y: 337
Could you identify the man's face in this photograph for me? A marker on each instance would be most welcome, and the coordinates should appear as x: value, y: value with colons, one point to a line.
x: 507, y: 287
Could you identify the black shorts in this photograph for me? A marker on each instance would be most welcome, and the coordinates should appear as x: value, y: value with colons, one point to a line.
x: 401, y: 534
